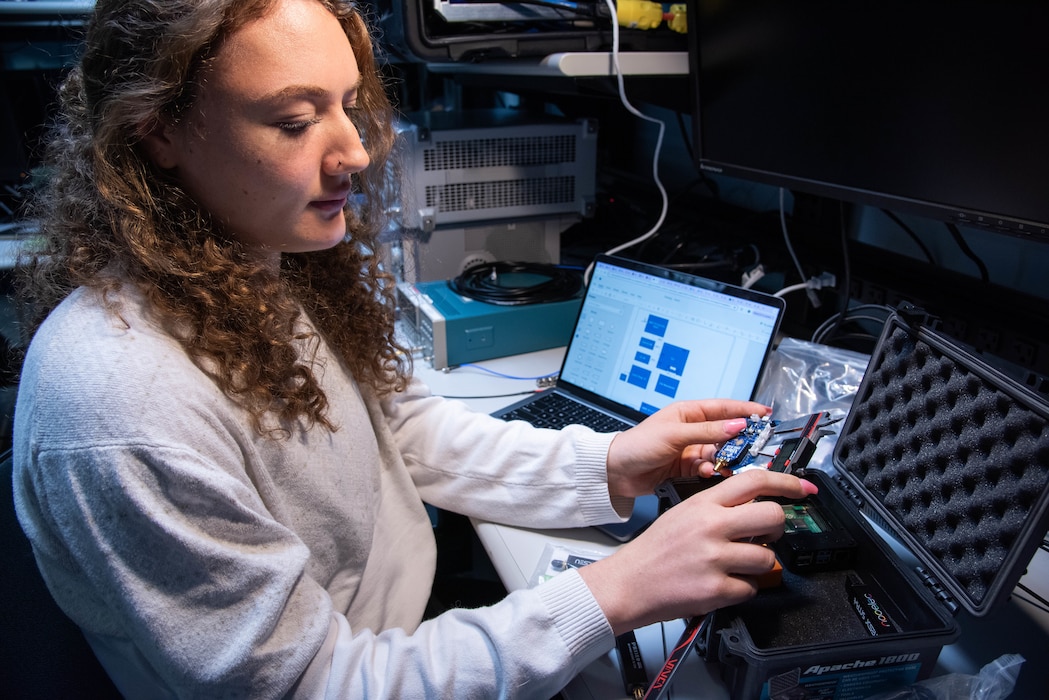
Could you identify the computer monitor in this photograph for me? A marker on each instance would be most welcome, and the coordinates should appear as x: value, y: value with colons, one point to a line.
x: 939, y: 108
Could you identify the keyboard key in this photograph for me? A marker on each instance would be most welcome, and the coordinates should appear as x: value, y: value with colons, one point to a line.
x: 556, y: 411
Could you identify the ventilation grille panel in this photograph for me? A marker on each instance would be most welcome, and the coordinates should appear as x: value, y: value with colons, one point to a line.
x: 500, y: 152
x: 481, y: 168
x: 502, y: 194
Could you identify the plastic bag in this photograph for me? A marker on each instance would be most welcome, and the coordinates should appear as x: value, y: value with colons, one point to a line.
x: 561, y: 557
x: 803, y: 377
x: 995, y: 681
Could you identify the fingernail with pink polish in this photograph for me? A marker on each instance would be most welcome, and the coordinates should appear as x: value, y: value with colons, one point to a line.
x: 735, y: 425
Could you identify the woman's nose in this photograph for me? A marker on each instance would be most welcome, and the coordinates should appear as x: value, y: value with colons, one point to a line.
x: 348, y: 154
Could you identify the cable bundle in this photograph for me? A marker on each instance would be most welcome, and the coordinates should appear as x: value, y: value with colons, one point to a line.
x: 485, y: 282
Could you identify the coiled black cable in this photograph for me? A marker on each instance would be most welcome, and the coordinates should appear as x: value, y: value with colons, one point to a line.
x: 500, y: 283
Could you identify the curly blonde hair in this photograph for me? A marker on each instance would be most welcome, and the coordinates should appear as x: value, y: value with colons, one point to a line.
x: 108, y: 216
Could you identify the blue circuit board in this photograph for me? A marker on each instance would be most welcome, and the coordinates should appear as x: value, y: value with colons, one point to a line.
x: 743, y: 449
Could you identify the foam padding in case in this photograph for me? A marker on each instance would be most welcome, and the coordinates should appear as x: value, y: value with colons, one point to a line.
x: 954, y: 457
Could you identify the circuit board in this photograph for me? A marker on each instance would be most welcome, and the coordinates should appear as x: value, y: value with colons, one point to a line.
x: 766, y: 443
x: 742, y: 450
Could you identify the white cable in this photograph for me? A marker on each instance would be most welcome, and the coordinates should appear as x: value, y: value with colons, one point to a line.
x: 786, y: 234
x: 751, y: 277
x: 659, y: 143
x: 813, y: 298
x: 812, y: 284
x: 792, y: 288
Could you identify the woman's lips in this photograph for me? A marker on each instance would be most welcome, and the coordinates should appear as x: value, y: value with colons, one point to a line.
x: 329, y: 206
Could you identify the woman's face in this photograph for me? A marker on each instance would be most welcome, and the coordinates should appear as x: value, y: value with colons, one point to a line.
x: 269, y: 146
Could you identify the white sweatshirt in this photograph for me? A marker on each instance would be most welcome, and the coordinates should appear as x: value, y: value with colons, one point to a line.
x: 202, y: 560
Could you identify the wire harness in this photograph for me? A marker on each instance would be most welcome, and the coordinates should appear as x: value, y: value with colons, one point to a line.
x: 500, y: 283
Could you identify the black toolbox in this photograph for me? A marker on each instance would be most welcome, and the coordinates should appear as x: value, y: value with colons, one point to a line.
x: 416, y: 31
x: 944, y: 453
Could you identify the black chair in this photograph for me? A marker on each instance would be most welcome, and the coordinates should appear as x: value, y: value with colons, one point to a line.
x: 43, y: 654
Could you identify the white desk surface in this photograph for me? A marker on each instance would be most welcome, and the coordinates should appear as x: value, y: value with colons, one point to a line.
x: 1017, y: 627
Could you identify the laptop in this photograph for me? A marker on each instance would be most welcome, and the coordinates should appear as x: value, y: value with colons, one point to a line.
x: 646, y: 336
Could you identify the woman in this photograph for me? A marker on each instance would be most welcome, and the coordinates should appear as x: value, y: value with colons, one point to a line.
x: 221, y: 457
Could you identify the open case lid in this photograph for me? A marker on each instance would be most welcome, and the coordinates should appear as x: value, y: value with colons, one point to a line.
x: 952, y: 456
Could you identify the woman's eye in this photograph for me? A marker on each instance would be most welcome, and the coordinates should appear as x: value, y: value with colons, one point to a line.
x: 296, y: 127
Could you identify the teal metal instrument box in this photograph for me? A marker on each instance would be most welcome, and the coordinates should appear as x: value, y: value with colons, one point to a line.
x: 451, y: 329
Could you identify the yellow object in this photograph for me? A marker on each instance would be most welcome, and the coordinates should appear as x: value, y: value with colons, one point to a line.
x: 639, y: 14
x: 677, y: 18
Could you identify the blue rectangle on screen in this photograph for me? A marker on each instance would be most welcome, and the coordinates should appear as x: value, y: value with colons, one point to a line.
x: 639, y: 376
x: 657, y: 325
x: 672, y: 359
x: 667, y: 386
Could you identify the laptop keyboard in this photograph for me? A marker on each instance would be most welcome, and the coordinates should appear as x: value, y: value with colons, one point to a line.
x: 556, y: 411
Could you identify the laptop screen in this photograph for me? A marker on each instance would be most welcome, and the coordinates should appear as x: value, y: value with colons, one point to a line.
x: 647, y: 336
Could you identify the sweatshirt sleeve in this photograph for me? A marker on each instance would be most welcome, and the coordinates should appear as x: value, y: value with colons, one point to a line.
x: 529, y: 645
x: 507, y: 472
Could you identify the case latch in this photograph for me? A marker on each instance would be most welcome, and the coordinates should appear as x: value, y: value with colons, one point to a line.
x: 916, y: 316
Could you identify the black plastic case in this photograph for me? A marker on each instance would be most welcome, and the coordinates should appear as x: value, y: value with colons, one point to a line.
x: 412, y: 30
x: 950, y: 457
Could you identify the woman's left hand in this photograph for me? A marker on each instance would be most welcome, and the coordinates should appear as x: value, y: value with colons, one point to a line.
x: 678, y: 440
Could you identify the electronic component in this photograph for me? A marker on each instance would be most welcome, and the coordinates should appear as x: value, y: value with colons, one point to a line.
x: 741, y: 451
x: 695, y: 628
x: 795, y: 452
x: 772, y: 578
x: 784, y: 446
x: 449, y: 329
x: 872, y: 605
x: 813, y: 540
x: 803, y: 517
x: 782, y: 460
x: 479, y: 166
x: 631, y: 665
x: 571, y: 561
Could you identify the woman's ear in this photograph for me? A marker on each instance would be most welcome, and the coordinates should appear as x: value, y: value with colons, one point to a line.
x: 160, y: 145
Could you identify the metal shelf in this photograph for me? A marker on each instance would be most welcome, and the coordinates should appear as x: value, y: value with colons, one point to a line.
x: 577, y: 65
x: 47, y: 7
